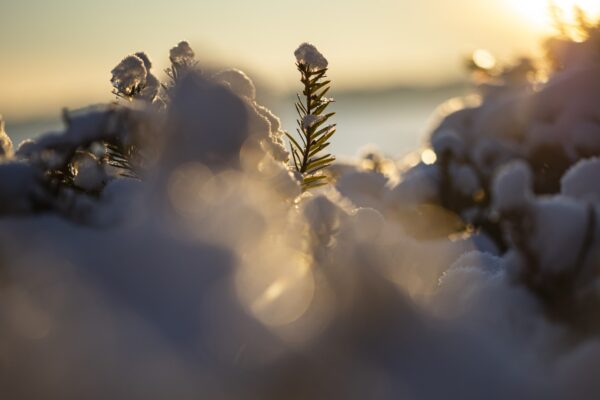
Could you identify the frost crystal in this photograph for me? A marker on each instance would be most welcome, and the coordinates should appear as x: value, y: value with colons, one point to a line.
x: 309, y: 55
x: 129, y: 76
x: 182, y: 54
x: 310, y: 120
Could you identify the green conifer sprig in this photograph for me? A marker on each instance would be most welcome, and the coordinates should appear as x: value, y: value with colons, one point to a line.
x: 313, y: 131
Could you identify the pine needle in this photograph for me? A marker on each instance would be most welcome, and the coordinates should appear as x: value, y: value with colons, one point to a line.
x: 314, y: 132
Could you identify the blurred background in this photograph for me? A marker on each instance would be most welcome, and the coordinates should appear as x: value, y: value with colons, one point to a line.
x: 392, y: 62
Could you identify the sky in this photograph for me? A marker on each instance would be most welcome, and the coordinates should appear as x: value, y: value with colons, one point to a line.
x: 59, y: 53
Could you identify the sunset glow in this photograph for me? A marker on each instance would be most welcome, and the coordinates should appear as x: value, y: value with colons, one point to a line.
x: 538, y: 11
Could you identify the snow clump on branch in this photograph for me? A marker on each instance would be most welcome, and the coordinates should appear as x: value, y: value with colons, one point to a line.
x: 308, y: 54
x: 129, y: 76
x: 182, y: 54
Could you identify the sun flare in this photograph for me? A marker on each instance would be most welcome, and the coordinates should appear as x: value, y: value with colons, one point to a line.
x: 538, y: 12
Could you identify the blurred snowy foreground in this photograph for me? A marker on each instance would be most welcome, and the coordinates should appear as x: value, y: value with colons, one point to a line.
x: 162, y: 248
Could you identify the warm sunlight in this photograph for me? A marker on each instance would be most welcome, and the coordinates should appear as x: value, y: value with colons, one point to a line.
x: 275, y: 199
x: 538, y: 11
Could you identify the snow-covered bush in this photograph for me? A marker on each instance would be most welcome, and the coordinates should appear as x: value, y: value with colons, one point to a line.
x: 164, y: 247
x: 196, y: 118
x: 518, y: 168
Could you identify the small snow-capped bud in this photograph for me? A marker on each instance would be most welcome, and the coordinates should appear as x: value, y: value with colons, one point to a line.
x: 308, y: 121
x: 182, y: 54
x: 308, y: 54
x: 447, y: 142
x: 129, y: 75
x: 512, y: 187
x: 149, y: 90
x: 239, y: 82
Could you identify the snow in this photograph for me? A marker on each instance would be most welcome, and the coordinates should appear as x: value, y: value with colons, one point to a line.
x: 239, y: 82
x: 369, y: 222
x: 213, y: 275
x: 211, y: 123
x: 129, y: 75
x: 447, y: 142
x: 151, y: 88
x: 581, y: 181
x: 309, y: 120
x: 144, y: 57
x: 182, y: 55
x: 418, y: 185
x: 363, y: 188
x: 512, y: 186
x: 132, y: 78
x: 465, y: 178
x: 557, y: 249
x: 307, y: 54
x: 20, y: 185
x: 89, y: 173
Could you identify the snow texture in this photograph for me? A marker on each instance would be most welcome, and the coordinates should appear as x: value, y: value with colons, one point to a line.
x: 581, y: 181
x: 448, y: 143
x: 211, y: 275
x: 309, y: 120
x: 239, y: 82
x: 129, y: 75
x: 307, y: 54
x: 512, y: 187
x: 182, y: 54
